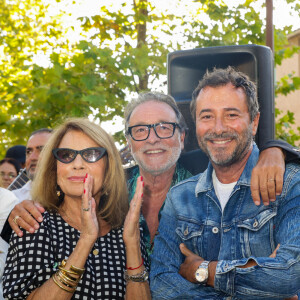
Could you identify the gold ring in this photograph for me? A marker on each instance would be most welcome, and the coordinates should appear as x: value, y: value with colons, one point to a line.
x: 85, y: 209
x: 15, y: 220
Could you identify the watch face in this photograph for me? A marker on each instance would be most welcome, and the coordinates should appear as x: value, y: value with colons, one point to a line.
x: 201, y: 274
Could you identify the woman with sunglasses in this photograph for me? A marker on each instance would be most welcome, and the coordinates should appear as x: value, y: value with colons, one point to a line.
x: 82, y: 249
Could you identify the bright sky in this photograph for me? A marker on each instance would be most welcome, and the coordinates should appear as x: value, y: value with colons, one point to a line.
x: 281, y: 16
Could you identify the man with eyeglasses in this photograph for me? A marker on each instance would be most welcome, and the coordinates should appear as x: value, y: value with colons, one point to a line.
x: 155, y: 131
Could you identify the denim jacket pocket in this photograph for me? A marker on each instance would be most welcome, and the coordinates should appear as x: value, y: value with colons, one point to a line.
x: 191, y: 234
x: 257, y: 234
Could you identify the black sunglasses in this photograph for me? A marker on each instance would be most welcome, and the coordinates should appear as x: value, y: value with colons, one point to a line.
x: 90, y: 155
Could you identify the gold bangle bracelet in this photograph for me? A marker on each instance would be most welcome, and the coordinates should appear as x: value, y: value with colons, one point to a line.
x: 68, y: 274
x: 59, y: 280
x: 62, y: 287
x: 77, y: 270
x: 73, y: 270
x: 62, y: 281
x: 66, y: 279
x: 67, y: 271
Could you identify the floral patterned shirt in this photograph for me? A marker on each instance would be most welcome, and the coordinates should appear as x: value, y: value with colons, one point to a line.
x: 179, y: 175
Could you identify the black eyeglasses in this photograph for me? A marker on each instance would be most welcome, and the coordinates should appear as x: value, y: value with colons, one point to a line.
x: 163, y: 130
x: 90, y: 155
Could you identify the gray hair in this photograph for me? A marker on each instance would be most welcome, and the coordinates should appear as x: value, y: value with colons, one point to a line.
x: 221, y: 77
x: 158, y: 97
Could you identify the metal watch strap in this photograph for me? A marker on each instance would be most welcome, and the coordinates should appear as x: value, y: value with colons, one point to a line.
x: 204, y: 265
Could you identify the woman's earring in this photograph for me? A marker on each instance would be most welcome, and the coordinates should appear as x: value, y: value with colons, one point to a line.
x: 60, y: 194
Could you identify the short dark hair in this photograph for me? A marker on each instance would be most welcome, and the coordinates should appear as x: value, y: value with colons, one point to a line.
x: 17, y: 152
x: 221, y: 77
x: 158, y: 97
x: 11, y: 161
x: 42, y: 130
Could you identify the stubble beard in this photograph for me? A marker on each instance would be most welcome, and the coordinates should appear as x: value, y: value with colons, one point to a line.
x: 221, y: 158
x: 159, y: 168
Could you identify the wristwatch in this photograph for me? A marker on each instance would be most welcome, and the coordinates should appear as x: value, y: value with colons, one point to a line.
x: 201, y: 274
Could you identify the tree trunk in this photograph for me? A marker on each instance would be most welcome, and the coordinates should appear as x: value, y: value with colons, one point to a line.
x: 141, y: 26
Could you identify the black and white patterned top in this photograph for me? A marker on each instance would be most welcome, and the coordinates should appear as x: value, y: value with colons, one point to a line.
x: 34, y: 258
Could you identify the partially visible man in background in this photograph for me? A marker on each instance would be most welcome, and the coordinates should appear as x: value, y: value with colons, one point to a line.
x: 34, y: 146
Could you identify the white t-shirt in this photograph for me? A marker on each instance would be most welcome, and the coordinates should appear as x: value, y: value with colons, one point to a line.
x: 7, y: 202
x: 24, y: 193
x: 223, y: 190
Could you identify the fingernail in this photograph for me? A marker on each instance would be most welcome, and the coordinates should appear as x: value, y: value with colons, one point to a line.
x: 86, y: 175
x: 256, y: 203
x: 40, y: 219
x: 20, y: 234
x: 36, y: 226
x: 142, y: 195
x: 143, y: 183
x: 31, y: 230
x: 141, y: 178
x: 84, y: 191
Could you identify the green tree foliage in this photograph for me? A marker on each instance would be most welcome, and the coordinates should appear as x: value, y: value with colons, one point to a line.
x: 122, y: 52
x: 25, y: 31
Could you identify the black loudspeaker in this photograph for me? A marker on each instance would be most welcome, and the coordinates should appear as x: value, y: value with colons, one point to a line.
x: 187, y: 67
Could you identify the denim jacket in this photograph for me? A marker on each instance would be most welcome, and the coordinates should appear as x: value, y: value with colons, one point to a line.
x: 244, y: 231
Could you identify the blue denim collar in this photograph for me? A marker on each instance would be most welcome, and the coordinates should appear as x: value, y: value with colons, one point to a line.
x: 205, y: 182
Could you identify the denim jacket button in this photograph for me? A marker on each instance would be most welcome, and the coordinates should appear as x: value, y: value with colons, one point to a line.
x: 255, y: 224
x: 215, y: 230
x: 186, y: 231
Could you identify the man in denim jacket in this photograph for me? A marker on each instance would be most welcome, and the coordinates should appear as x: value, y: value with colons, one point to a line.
x: 213, y: 242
